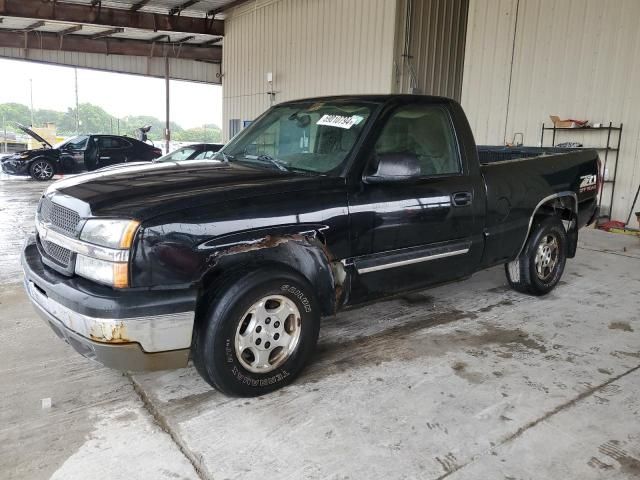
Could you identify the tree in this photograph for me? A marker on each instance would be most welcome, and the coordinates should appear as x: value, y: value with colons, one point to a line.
x: 207, y: 134
x: 96, y: 120
x: 15, y: 113
x: 41, y: 117
x: 132, y: 123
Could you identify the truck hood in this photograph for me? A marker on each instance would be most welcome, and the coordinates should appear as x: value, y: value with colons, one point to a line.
x: 34, y: 135
x: 145, y: 191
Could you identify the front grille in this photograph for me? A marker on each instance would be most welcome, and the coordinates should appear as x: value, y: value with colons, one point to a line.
x: 57, y: 253
x: 59, y: 217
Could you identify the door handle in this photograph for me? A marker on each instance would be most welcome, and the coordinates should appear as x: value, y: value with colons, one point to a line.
x: 462, y: 199
x: 105, y: 158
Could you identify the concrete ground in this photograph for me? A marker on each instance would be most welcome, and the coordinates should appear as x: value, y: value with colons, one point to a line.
x: 465, y: 381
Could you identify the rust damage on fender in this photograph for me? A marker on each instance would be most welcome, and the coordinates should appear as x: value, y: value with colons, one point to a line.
x: 268, y: 241
x: 109, y: 333
x: 338, y: 273
x: 311, y: 239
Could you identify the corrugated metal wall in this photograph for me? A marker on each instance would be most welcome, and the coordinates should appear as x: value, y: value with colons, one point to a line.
x: 179, y: 69
x: 572, y: 58
x: 434, y: 60
x: 313, y: 47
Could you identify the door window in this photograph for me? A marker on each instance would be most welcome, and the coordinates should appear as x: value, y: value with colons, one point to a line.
x: 183, y: 153
x: 76, y: 143
x: 423, y: 131
x: 112, y: 142
x: 205, y: 155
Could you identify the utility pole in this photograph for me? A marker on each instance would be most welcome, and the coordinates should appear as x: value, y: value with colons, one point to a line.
x: 77, y: 107
x: 31, y: 89
x: 4, y: 127
x: 167, y: 130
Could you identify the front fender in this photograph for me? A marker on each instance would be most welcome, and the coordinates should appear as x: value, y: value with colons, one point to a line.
x: 304, y: 253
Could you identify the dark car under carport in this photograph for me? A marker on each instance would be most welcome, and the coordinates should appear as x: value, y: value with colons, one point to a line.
x: 75, y: 155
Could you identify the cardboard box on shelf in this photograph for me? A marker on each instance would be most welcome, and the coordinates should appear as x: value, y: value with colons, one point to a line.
x: 568, y: 123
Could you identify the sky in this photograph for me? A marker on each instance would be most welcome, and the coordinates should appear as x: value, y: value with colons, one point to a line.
x: 192, y: 104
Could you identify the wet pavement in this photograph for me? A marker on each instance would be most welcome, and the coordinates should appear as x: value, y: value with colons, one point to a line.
x: 466, y: 381
x: 18, y: 198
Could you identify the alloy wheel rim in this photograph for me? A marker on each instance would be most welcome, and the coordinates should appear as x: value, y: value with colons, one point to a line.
x: 546, y: 257
x: 42, y: 170
x: 268, y: 334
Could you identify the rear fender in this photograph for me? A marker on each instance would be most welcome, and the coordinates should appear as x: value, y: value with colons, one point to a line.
x: 565, y: 206
x: 303, y: 252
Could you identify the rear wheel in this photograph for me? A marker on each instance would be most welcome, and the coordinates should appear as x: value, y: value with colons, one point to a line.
x: 539, y: 267
x: 42, y: 169
x: 258, y: 334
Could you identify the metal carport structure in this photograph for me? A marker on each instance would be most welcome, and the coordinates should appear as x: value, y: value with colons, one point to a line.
x: 177, y: 39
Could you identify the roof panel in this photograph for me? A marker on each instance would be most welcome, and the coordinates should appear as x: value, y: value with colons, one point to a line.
x: 11, y: 23
x: 199, y: 9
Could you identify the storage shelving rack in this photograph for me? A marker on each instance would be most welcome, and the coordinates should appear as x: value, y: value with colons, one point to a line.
x: 612, y: 145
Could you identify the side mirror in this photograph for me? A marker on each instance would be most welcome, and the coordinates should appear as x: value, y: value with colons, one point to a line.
x: 394, y: 167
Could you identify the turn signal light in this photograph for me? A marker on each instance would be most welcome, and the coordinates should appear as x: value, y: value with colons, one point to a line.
x: 120, y: 275
x: 129, y: 233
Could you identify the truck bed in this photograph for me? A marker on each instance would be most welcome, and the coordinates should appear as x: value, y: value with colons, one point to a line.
x: 516, y: 179
x: 499, y: 153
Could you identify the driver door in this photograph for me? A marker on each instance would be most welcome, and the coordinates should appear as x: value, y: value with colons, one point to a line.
x: 112, y: 150
x: 73, y: 156
x: 421, y: 230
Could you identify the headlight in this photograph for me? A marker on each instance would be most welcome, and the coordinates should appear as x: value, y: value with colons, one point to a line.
x: 24, y: 155
x: 114, y: 235
x: 103, y: 271
x: 109, y: 233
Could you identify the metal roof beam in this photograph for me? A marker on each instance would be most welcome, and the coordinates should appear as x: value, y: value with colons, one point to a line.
x: 30, y: 28
x: 216, y: 11
x: 137, y: 6
x: 184, y: 39
x: 112, y: 17
x: 160, y: 37
x: 109, y: 46
x: 211, y: 42
x: 184, y: 6
x: 106, y: 33
x: 69, y: 30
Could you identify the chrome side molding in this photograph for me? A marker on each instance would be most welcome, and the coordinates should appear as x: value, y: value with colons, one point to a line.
x: 411, y: 261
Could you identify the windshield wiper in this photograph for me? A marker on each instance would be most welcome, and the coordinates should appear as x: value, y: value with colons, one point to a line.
x: 273, y: 161
x: 225, y: 156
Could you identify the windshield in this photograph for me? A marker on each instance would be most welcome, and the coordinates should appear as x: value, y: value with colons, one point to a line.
x: 313, y: 137
x: 75, y: 143
x: 183, y: 153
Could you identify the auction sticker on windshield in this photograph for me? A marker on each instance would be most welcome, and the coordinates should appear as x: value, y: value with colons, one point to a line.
x: 340, y: 121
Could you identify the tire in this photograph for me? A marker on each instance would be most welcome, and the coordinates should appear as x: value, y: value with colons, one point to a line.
x: 539, y: 267
x: 42, y: 170
x: 241, y: 349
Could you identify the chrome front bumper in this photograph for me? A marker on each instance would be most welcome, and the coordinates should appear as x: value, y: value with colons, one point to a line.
x: 156, y: 341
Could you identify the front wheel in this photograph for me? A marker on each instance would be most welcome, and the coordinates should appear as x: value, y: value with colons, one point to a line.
x: 258, y: 334
x: 42, y: 170
x: 539, y: 267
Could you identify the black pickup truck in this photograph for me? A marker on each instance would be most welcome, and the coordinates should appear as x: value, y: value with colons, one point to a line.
x: 320, y: 204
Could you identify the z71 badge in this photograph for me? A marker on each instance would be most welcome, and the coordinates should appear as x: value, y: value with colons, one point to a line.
x: 588, y: 183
